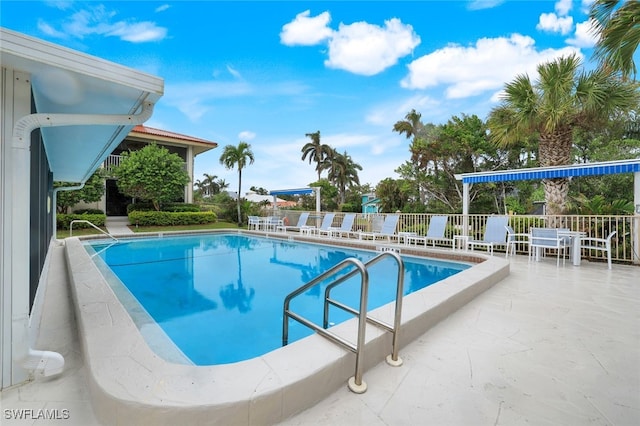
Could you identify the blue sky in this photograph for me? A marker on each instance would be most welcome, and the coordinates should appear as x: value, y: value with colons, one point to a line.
x: 267, y: 72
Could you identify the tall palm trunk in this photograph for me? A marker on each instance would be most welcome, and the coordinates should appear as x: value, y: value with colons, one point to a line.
x: 239, y: 192
x: 555, y: 150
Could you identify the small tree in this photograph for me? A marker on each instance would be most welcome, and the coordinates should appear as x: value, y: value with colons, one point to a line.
x: 92, y: 191
x: 152, y: 174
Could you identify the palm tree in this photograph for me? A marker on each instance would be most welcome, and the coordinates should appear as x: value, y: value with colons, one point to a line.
x: 617, y: 24
x: 237, y: 156
x: 561, y: 100
x: 410, y: 126
x: 222, y: 184
x: 343, y: 172
x: 316, y: 151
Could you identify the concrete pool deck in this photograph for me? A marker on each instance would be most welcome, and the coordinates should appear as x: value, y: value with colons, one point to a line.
x: 546, y: 345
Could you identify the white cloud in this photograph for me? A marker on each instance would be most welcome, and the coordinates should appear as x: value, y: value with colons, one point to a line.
x: 246, y: 136
x: 585, y: 5
x: 305, y: 30
x: 563, y: 7
x: 162, y: 8
x: 98, y: 21
x: 550, y: 22
x: 234, y: 72
x: 584, y: 36
x: 366, y: 49
x: 48, y: 30
x: 484, y: 4
x: 360, y: 48
x: 138, y: 32
x: 469, y: 71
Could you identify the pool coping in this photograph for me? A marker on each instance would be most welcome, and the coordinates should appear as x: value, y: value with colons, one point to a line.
x: 129, y: 383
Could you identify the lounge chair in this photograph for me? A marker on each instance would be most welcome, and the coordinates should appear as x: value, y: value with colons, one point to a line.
x: 513, y: 239
x: 541, y: 239
x: 600, y: 244
x: 388, y: 229
x: 344, y: 228
x: 327, y: 221
x: 437, y: 227
x: 302, y: 223
x: 495, y: 233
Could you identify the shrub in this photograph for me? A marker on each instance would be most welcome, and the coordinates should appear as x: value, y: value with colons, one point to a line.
x: 163, y: 218
x: 167, y: 207
x: 63, y: 221
x: 88, y: 211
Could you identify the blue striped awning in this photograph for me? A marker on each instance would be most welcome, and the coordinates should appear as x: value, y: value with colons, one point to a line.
x: 295, y: 191
x: 574, y: 170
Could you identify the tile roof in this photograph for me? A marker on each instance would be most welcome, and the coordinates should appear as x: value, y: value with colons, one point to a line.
x: 170, y: 135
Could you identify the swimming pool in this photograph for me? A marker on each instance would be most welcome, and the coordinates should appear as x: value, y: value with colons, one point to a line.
x: 130, y: 384
x: 218, y: 297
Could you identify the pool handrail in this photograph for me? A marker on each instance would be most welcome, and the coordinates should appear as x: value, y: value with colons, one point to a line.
x: 356, y: 384
x: 86, y: 221
x: 394, y: 329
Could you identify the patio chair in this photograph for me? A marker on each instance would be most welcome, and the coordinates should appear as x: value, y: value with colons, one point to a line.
x: 600, y: 244
x: 327, y: 220
x: 302, y: 223
x: 513, y: 239
x: 344, y: 228
x: 272, y: 223
x: 388, y: 229
x: 542, y: 239
x: 495, y: 233
x: 437, y: 227
x: 254, y: 222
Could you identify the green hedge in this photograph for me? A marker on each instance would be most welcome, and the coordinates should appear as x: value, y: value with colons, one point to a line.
x: 63, y: 221
x: 168, y: 207
x: 153, y: 218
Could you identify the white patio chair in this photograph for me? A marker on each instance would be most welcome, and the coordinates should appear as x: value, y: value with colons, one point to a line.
x: 254, y: 221
x: 435, y: 232
x: 388, y: 229
x: 327, y: 221
x: 600, y: 244
x: 302, y: 223
x: 541, y: 239
x: 344, y: 228
x: 495, y: 233
x: 513, y: 239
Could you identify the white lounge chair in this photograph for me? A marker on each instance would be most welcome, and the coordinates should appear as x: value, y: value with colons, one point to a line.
x: 541, y: 239
x: 513, y: 239
x: 302, y: 223
x: 437, y: 228
x: 327, y: 221
x: 344, y: 228
x: 495, y: 233
x: 388, y: 229
x: 600, y: 244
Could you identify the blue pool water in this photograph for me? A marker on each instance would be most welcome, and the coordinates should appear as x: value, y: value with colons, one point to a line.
x: 219, y: 297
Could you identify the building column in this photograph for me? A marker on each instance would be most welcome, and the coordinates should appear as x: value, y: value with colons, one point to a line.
x: 15, y: 161
x: 635, y: 244
x: 188, y: 190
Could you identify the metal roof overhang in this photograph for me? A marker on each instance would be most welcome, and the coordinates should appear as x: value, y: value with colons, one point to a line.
x: 294, y: 191
x: 65, y: 81
x: 574, y: 170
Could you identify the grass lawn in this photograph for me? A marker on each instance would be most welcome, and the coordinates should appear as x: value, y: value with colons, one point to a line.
x: 64, y: 233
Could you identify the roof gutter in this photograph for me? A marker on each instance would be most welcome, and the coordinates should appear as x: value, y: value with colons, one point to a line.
x: 49, y: 363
